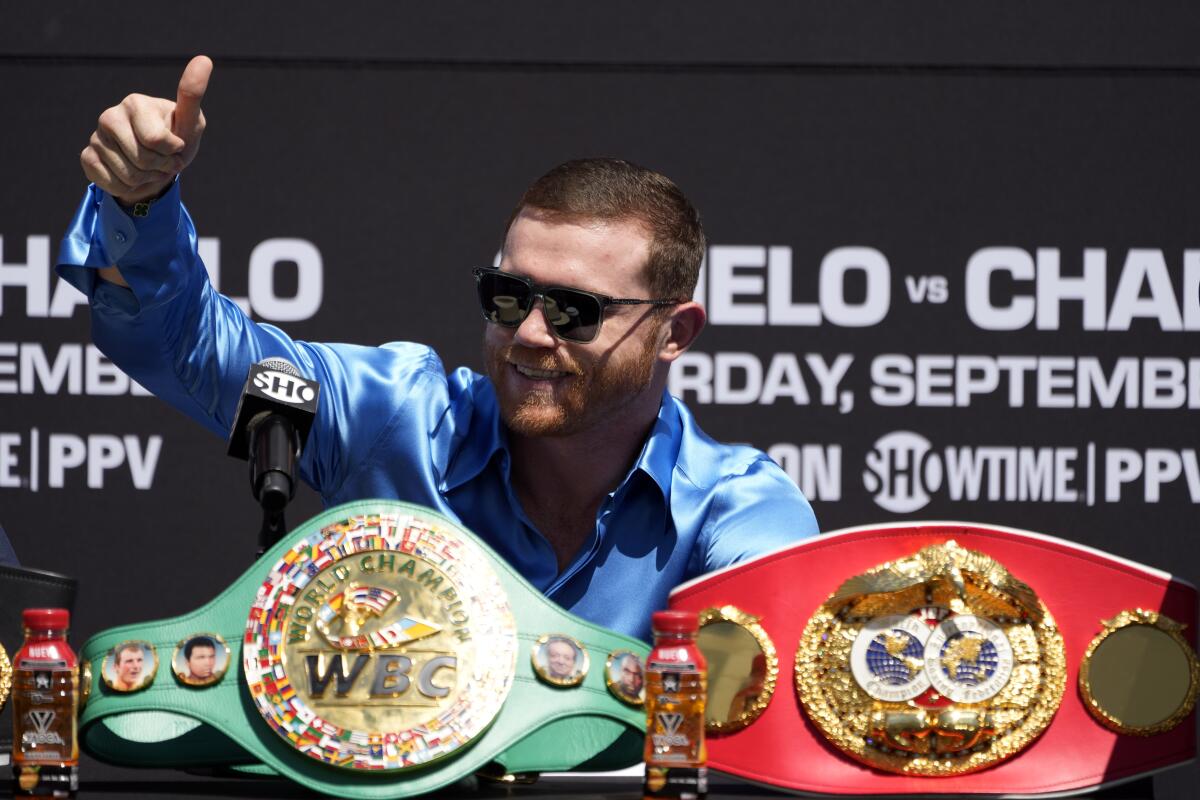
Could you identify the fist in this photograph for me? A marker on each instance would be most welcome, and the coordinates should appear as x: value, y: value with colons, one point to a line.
x: 142, y: 143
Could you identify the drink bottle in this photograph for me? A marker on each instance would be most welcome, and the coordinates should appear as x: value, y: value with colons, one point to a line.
x: 675, y: 695
x: 45, y: 702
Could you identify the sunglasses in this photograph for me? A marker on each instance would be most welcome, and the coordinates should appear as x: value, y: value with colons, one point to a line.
x: 573, y: 314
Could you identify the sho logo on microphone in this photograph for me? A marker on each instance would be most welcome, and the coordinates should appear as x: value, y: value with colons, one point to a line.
x: 283, y: 387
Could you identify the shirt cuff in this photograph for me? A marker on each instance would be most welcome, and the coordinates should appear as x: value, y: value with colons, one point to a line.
x: 118, y: 231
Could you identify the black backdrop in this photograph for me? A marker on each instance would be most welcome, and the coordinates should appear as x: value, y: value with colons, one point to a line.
x: 880, y: 184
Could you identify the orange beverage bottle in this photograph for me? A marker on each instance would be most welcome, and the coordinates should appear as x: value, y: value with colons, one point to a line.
x: 676, y: 685
x: 45, y: 702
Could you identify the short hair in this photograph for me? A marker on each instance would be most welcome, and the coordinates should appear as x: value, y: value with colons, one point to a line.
x: 614, y: 190
x: 198, y: 641
x: 122, y: 647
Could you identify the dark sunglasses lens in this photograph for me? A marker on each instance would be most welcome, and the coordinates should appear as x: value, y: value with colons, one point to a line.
x: 505, y: 300
x: 574, y: 315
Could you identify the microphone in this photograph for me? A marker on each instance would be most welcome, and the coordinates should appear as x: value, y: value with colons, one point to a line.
x: 274, y: 416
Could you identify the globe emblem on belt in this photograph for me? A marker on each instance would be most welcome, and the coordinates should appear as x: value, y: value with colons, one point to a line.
x: 969, y: 658
x: 888, y: 658
x: 895, y: 657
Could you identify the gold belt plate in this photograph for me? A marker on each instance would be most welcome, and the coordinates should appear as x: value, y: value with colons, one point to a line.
x: 938, y: 664
x: 381, y: 643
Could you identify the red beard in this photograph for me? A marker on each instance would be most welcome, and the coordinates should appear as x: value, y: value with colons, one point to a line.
x: 585, y: 397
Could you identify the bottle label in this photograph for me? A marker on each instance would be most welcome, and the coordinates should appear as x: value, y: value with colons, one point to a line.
x: 44, y: 718
x: 669, y: 723
x: 40, y: 729
x: 677, y: 783
x: 673, y: 666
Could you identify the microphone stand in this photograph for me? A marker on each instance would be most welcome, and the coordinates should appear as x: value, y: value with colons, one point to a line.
x: 274, y: 450
x: 272, y: 530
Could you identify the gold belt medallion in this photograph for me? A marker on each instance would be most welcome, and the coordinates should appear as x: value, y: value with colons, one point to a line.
x: 381, y: 643
x: 6, y: 676
x: 941, y: 663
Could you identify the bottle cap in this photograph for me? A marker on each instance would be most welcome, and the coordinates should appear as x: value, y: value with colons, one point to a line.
x: 43, y: 618
x: 674, y: 622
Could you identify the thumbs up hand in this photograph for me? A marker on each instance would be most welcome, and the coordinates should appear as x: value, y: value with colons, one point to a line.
x: 142, y: 143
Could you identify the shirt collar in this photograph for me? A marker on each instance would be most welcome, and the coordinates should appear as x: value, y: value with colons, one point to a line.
x: 484, y: 435
x: 661, y: 450
x: 479, y: 447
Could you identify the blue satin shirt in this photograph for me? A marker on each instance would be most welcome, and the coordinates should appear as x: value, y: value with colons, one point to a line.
x: 393, y: 423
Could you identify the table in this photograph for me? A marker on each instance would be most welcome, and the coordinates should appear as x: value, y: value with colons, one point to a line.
x: 103, y: 781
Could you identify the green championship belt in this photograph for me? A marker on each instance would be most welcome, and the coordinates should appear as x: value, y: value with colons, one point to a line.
x: 384, y: 652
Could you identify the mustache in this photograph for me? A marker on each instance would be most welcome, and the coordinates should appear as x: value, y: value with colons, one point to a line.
x: 535, y: 359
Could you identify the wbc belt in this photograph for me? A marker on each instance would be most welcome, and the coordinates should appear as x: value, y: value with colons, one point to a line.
x: 380, y: 650
x: 945, y: 658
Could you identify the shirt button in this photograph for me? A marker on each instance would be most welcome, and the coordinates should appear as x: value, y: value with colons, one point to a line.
x: 120, y: 237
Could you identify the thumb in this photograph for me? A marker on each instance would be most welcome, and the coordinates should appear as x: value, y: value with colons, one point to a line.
x: 192, y: 86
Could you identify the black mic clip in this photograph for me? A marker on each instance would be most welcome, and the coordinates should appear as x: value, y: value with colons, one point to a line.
x: 273, y: 454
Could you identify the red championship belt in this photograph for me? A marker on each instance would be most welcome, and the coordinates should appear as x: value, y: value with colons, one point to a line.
x: 946, y: 658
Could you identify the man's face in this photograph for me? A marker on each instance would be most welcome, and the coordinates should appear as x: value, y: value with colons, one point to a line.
x: 550, y: 387
x: 202, y: 661
x: 631, y: 677
x: 560, y: 657
x: 129, y: 665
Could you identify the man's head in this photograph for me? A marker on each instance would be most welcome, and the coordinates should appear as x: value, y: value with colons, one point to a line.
x: 560, y: 658
x: 610, y: 228
x: 201, y: 655
x: 631, y: 675
x: 612, y: 190
x: 129, y: 661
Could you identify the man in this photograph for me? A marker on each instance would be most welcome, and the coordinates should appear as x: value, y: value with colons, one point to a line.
x: 200, y: 654
x: 569, y: 458
x: 127, y: 663
x: 560, y: 659
x: 632, y: 678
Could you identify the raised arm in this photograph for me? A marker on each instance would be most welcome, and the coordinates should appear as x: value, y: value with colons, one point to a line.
x: 160, y: 320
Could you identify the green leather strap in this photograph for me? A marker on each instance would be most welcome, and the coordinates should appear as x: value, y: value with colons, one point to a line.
x: 539, y: 728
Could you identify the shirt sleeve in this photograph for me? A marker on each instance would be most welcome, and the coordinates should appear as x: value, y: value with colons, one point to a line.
x: 178, y: 337
x: 8, y: 556
x: 755, y: 512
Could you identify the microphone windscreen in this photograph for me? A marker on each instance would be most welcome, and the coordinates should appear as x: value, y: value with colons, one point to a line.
x: 280, y: 365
